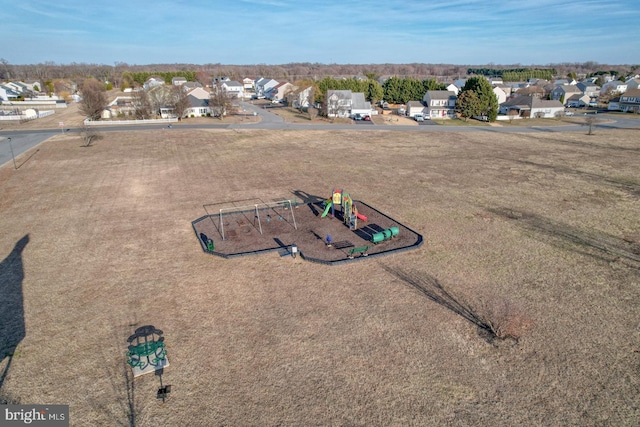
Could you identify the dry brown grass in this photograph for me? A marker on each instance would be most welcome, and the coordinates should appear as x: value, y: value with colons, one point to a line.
x: 548, y: 221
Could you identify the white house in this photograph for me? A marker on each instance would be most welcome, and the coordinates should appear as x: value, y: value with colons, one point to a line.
x: 178, y: 81
x: 532, y: 106
x: 613, y: 86
x: 263, y: 85
x: 414, y: 108
x: 500, y: 94
x: 153, y: 82
x: 199, y: 103
x: 453, y: 88
x: 344, y: 103
x: 441, y: 104
x: 300, y: 98
x: 248, y: 83
x: 234, y: 89
x: 630, y: 101
x: 6, y: 93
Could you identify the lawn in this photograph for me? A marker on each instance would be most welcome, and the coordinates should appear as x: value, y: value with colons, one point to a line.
x: 98, y: 241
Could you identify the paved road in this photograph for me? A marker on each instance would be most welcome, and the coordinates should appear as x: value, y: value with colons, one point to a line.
x: 23, y: 140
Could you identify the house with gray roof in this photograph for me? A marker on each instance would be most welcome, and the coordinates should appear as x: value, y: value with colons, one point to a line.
x: 532, y: 106
x: 440, y: 104
x: 344, y: 103
x: 630, y: 101
x: 562, y: 93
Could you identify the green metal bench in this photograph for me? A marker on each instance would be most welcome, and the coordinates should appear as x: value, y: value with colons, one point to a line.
x: 359, y: 250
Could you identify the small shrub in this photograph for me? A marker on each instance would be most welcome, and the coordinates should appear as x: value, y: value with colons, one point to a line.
x: 502, y: 318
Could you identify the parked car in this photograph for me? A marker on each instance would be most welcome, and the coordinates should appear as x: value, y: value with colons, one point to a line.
x: 357, y: 117
x: 418, y: 118
x: 569, y: 113
x: 366, y: 118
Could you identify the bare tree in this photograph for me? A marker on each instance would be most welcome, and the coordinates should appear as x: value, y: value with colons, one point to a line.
x: 89, y: 134
x: 94, y: 100
x: 179, y: 101
x: 591, y: 121
x: 220, y: 101
x: 142, y: 108
x: 313, y: 112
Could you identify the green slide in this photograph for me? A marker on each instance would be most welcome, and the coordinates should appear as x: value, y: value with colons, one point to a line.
x: 326, y: 209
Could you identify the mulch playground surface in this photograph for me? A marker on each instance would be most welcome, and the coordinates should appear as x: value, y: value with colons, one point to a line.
x: 303, y: 226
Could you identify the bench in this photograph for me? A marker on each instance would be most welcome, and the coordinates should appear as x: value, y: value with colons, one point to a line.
x: 359, y: 250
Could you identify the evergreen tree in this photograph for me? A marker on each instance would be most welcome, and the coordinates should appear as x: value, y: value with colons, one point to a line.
x: 483, y: 90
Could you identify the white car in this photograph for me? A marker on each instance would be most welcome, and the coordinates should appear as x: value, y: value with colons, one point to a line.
x: 569, y: 113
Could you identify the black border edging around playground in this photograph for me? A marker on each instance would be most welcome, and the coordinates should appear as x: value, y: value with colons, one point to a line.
x: 416, y: 245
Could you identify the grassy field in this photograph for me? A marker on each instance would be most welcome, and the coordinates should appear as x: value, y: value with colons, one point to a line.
x: 98, y: 241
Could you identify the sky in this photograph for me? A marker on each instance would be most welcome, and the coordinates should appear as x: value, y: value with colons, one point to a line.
x: 244, y: 32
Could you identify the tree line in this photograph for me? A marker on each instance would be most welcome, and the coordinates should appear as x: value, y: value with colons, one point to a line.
x: 515, y: 74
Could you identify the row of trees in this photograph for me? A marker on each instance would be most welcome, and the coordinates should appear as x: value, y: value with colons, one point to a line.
x: 401, y: 90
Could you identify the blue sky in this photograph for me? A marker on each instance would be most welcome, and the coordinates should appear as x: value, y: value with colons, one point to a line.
x: 464, y: 32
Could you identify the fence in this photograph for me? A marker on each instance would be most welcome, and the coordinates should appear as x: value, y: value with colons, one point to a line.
x: 40, y: 114
x: 88, y: 122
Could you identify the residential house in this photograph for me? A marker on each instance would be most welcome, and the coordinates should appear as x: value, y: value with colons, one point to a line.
x: 191, y: 85
x: 344, y: 103
x: 300, y: 98
x: 564, y: 82
x: 153, y: 82
x: 613, y: 86
x: 532, y: 106
x: 121, y: 106
x: 178, y: 81
x: 199, y: 103
x: 453, y: 88
x: 633, y: 83
x: 614, y: 104
x: 263, y: 86
x: 630, y: 101
x: 359, y: 105
x: 233, y: 88
x: 577, y: 100
x: 440, y: 104
x: 280, y: 91
x: 506, y: 89
x: 592, y: 90
x: 414, y: 108
x: 7, y: 93
x: 248, y: 84
x: 500, y: 94
x: 562, y: 93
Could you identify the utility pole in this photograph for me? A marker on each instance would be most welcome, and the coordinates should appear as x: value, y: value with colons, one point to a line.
x: 12, y: 156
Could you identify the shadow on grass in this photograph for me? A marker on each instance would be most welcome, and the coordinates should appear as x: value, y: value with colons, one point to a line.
x: 430, y: 287
x: 121, y: 380
x: 625, y: 185
x: 12, y: 325
x: 595, y: 244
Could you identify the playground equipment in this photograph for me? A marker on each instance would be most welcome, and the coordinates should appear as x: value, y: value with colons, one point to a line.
x: 385, y: 235
x: 281, y: 210
x: 350, y: 213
